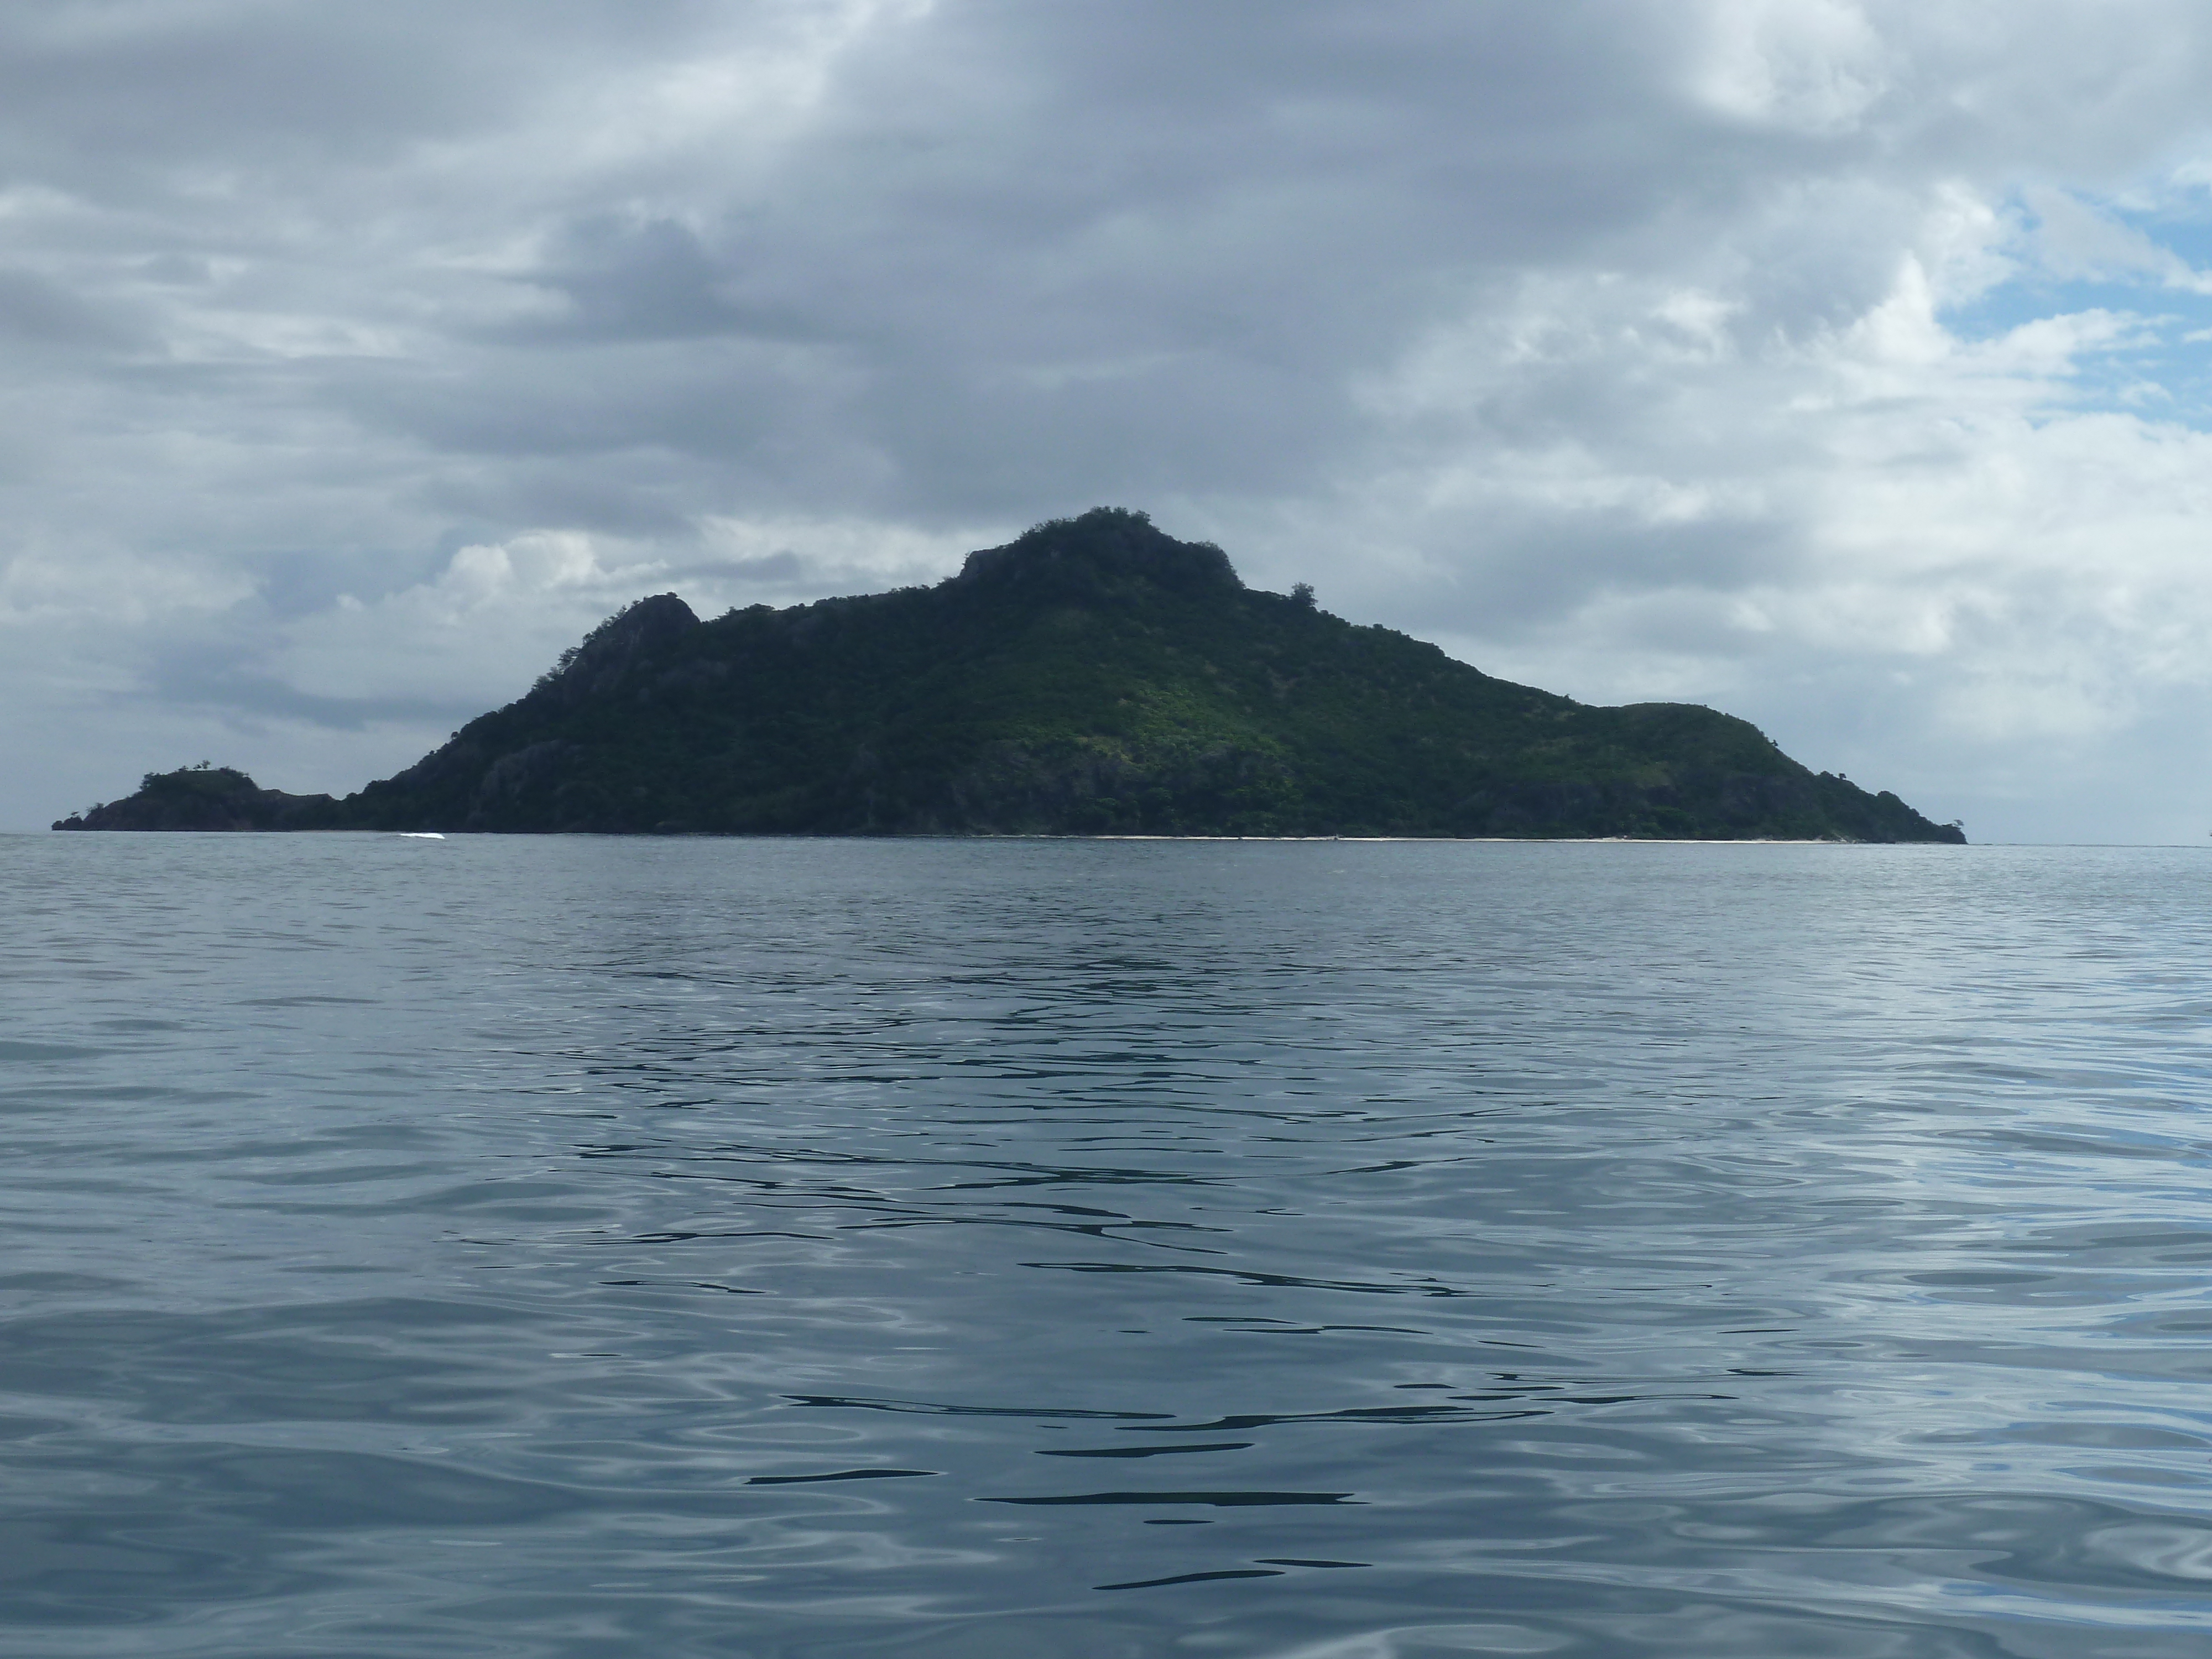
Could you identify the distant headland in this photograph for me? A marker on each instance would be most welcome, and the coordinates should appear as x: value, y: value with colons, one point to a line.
x: 1093, y: 676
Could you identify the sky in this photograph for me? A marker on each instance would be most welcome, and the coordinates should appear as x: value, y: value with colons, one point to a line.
x: 1844, y: 366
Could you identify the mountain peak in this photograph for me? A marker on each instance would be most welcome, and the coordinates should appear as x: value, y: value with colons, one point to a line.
x: 640, y: 629
x: 1105, y: 551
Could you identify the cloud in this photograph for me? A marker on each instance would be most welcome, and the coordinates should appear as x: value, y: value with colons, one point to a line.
x: 1837, y: 364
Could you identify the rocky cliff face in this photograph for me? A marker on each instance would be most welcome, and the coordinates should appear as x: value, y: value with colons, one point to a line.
x: 1093, y: 676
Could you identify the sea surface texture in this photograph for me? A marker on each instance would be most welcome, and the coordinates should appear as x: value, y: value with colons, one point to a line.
x: 551, y: 1249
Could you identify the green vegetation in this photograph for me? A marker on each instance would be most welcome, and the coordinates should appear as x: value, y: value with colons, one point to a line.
x: 207, y: 797
x: 1093, y: 676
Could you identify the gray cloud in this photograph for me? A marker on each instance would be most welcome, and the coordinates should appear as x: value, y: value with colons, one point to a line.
x: 236, y: 693
x: 1614, y: 339
x: 39, y: 314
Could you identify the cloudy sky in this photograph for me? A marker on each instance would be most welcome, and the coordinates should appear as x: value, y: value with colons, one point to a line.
x: 1847, y: 366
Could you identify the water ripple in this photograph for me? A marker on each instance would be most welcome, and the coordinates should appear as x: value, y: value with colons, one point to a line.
x: 557, y: 1248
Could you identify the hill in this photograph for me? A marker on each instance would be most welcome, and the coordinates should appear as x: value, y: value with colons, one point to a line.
x: 1094, y: 675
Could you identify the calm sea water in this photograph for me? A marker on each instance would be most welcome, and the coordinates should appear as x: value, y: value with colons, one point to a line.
x: 582, y: 1247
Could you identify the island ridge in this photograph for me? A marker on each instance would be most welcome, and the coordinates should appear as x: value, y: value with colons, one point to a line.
x: 1093, y: 676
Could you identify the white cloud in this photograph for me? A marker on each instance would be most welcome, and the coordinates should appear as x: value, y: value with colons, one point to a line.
x: 1811, y: 66
x: 1832, y: 362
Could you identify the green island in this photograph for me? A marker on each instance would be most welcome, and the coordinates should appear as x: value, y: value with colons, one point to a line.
x: 1093, y: 676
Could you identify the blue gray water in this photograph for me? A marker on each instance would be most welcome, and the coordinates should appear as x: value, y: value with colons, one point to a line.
x: 538, y: 1248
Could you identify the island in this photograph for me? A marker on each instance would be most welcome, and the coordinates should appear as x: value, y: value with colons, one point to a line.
x: 1094, y: 677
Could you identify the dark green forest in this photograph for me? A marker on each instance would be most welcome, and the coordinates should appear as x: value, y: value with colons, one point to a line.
x: 1095, y: 676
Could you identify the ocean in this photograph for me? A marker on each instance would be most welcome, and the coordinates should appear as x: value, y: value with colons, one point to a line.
x: 557, y: 1248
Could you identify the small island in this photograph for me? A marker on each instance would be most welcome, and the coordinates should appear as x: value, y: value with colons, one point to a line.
x: 1093, y: 676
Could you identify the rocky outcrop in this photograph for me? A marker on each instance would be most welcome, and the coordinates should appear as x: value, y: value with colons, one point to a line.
x: 1101, y: 553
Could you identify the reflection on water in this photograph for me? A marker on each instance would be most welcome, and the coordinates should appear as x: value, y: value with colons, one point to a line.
x: 1347, y: 1251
